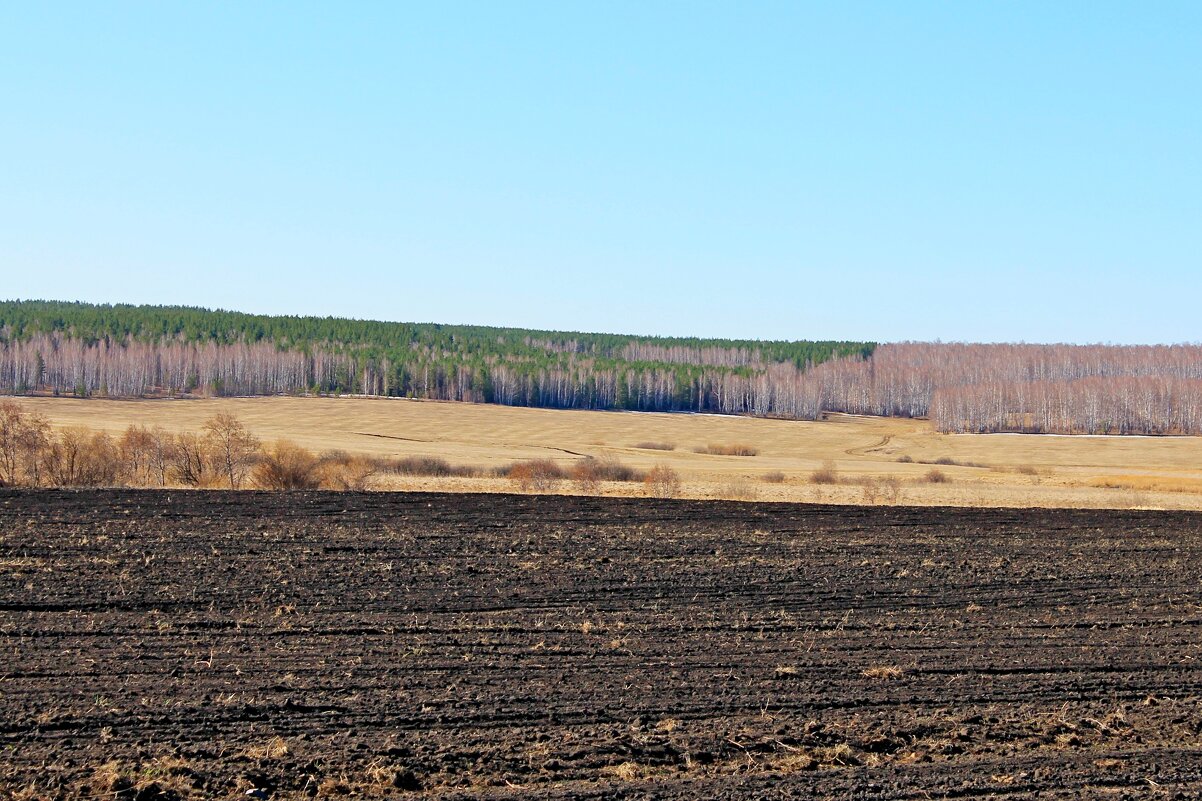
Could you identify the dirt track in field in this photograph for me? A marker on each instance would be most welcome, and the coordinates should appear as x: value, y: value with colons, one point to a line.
x: 197, y: 645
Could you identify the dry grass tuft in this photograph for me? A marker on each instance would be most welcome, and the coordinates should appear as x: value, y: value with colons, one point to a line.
x: 774, y: 477
x: 656, y: 446
x: 275, y: 748
x: 1142, y: 483
x: 882, y: 672
x: 738, y: 489
x: 627, y: 771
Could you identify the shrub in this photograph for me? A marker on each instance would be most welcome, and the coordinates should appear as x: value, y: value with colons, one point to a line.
x: 775, y: 477
x: 905, y: 459
x: 873, y: 488
x: 287, y: 466
x: 420, y: 466
x: 341, y: 471
x: 727, y: 450
x: 434, y: 466
x: 827, y: 474
x: 935, y: 476
x: 79, y: 457
x: 662, y: 482
x: 657, y: 446
x: 540, y: 475
x: 591, y: 471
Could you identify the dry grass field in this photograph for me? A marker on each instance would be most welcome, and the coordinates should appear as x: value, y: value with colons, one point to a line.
x: 845, y: 459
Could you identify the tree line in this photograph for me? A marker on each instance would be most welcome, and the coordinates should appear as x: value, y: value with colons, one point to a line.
x: 120, y: 351
x: 1066, y: 389
x: 123, y: 351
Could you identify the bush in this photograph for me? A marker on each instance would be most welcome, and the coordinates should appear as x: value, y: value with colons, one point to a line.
x: 827, y: 474
x: 874, y: 488
x: 434, y: 466
x: 935, y: 476
x: 540, y: 475
x: 420, y: 466
x: 775, y: 477
x: 657, y: 446
x: 341, y: 471
x: 79, y: 457
x: 727, y: 450
x: 662, y: 482
x: 590, y: 471
x: 287, y: 466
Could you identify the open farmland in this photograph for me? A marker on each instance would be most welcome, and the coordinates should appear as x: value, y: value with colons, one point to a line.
x: 879, y: 460
x: 179, y: 644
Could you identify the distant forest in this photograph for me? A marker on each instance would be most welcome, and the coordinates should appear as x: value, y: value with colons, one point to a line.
x: 129, y: 351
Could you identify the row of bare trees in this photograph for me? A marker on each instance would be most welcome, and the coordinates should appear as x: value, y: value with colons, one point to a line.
x: 962, y: 387
x: 1098, y: 405
x: 1069, y: 389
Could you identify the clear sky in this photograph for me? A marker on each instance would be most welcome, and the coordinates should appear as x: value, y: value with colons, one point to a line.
x: 863, y: 170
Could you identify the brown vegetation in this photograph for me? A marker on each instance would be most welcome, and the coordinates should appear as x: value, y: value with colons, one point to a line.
x: 827, y: 474
x: 590, y: 471
x: 35, y: 455
x: 287, y: 466
x: 662, y: 482
x: 726, y: 450
x: 457, y: 447
x: 656, y: 446
x: 539, y: 475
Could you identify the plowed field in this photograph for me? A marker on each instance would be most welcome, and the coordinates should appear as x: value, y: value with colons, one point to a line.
x: 203, y: 644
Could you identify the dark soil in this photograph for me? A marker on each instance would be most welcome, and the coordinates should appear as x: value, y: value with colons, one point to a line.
x: 160, y: 645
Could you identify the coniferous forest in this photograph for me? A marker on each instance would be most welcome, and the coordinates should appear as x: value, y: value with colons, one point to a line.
x: 85, y: 350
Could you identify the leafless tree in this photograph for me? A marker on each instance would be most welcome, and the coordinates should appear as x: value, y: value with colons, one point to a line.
x: 234, y: 448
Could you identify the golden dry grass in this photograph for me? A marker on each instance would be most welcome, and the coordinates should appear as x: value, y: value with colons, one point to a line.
x: 983, y: 470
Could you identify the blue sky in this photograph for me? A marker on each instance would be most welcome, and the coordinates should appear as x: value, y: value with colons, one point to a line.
x: 889, y: 171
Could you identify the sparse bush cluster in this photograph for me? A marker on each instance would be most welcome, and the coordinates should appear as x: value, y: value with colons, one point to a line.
x: 225, y: 454
x: 826, y: 474
x: 222, y: 454
x: 726, y: 450
x: 656, y: 446
x: 542, y: 475
x: 434, y: 466
x: 662, y: 482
